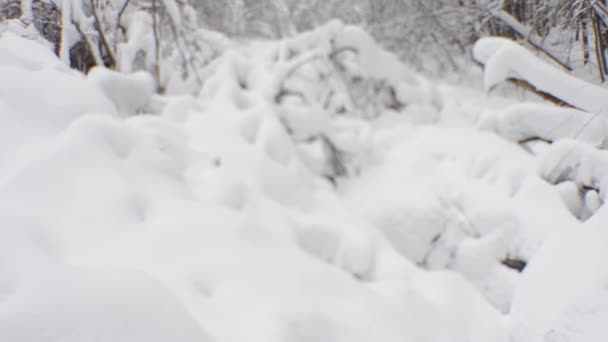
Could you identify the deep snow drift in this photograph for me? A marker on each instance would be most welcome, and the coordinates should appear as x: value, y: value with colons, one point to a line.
x: 314, y: 190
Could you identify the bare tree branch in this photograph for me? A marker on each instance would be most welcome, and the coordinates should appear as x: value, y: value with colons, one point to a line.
x: 102, y: 36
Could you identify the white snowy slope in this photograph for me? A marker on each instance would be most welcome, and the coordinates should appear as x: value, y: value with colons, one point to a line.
x: 218, y: 217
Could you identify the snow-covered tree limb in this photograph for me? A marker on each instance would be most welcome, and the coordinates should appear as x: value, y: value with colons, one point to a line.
x: 503, y: 59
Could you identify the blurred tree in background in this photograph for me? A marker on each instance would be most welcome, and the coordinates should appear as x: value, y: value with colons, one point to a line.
x: 431, y: 35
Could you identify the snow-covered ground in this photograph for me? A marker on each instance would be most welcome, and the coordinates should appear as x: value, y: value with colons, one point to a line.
x: 285, y: 203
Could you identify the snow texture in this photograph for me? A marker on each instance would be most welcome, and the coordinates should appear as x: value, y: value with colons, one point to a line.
x: 275, y: 205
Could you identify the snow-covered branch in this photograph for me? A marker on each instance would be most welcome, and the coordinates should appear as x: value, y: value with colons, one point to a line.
x: 503, y: 59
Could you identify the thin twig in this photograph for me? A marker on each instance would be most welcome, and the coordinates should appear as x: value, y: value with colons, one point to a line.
x: 102, y: 36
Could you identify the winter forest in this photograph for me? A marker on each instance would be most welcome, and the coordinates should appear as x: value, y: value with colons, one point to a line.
x: 303, y: 170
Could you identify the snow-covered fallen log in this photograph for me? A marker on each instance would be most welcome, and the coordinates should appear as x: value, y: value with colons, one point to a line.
x: 522, y: 123
x: 577, y: 162
x: 503, y: 60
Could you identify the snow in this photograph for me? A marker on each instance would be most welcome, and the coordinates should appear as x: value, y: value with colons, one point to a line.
x: 231, y: 215
x: 574, y: 306
x: 128, y: 92
x: 23, y: 29
x: 23, y: 53
x: 62, y: 95
x: 529, y: 33
x: 140, y: 39
x: 503, y: 59
x: 529, y: 121
x: 550, y: 304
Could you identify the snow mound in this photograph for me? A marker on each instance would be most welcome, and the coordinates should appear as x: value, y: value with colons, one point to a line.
x: 575, y: 306
x: 39, y: 97
x: 25, y: 53
x: 128, y: 92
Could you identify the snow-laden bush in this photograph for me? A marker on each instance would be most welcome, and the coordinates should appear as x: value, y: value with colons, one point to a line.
x: 338, y: 74
x: 290, y: 104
